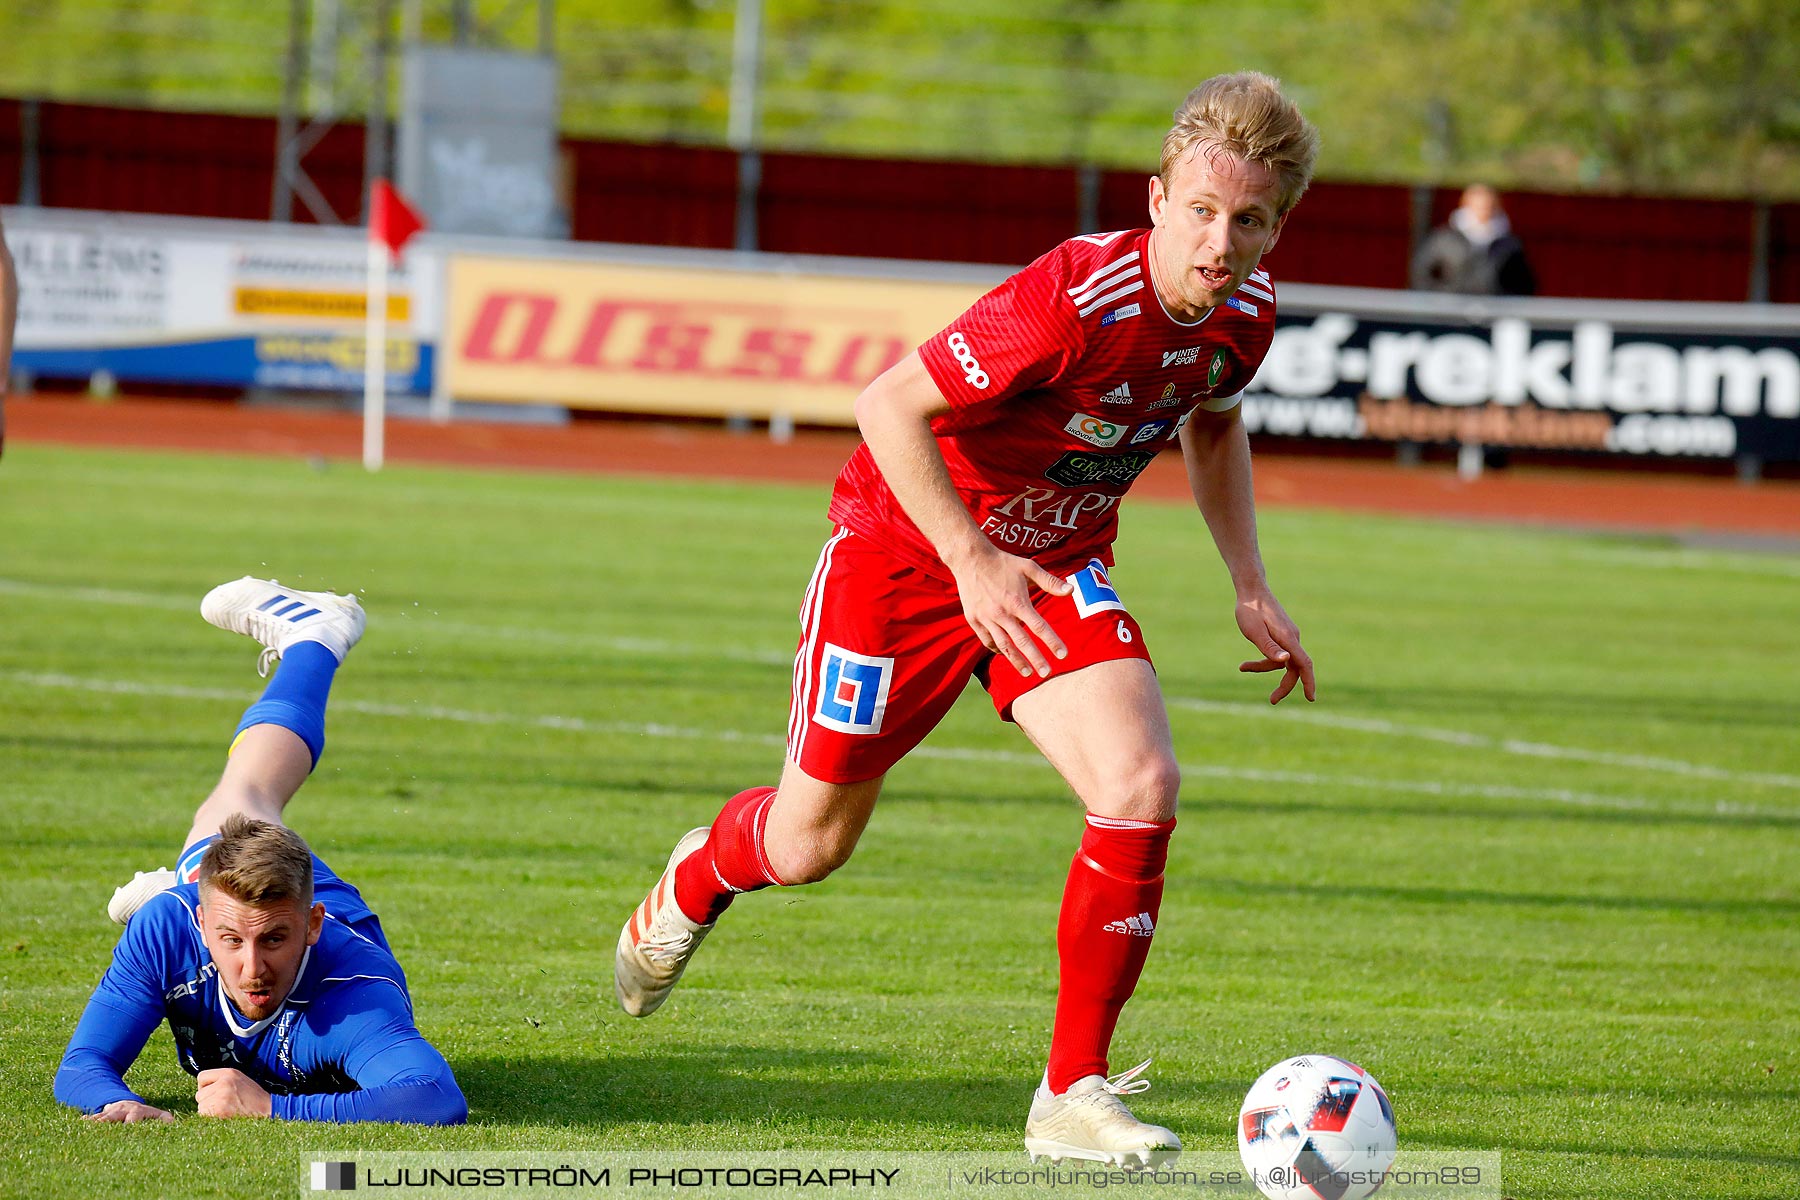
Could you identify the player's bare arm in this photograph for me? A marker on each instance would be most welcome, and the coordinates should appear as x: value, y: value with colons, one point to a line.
x: 895, y: 413
x: 9, y: 311
x: 1216, y: 449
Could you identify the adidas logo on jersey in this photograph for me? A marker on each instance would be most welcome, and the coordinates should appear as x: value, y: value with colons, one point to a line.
x: 1119, y: 395
x: 1138, y: 926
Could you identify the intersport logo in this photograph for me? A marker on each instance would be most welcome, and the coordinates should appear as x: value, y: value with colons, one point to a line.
x: 965, y: 358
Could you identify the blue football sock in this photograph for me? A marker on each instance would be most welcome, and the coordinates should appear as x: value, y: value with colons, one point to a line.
x: 295, y: 698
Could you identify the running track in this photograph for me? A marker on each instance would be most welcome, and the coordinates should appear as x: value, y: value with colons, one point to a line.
x: 1709, y: 508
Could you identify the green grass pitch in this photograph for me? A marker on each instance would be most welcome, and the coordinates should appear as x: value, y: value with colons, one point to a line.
x: 1533, y: 858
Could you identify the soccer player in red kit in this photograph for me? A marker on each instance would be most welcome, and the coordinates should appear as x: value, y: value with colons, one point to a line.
x: 973, y: 535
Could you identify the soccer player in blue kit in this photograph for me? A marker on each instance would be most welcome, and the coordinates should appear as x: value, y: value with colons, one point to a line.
x: 276, y: 978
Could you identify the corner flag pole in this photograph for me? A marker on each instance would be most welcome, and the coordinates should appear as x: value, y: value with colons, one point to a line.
x: 392, y: 222
x: 375, y: 360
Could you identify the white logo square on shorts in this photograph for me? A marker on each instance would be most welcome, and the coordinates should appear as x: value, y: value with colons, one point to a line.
x: 853, y: 690
x: 1094, y: 591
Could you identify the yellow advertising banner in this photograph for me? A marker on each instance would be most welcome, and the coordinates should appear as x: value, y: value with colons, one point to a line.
x: 681, y: 340
x: 308, y: 302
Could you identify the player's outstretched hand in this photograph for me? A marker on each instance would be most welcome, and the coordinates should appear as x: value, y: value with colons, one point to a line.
x: 129, y: 1112
x: 1262, y: 619
x: 995, y: 590
x: 228, y: 1092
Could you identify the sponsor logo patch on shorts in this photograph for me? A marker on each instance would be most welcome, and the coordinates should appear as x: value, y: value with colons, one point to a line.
x: 853, y: 690
x: 1094, y: 591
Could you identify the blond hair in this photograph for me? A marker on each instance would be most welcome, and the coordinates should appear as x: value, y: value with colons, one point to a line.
x: 1246, y: 115
x: 258, y: 862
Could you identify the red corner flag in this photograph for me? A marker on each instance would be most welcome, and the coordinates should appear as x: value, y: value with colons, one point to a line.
x: 391, y: 219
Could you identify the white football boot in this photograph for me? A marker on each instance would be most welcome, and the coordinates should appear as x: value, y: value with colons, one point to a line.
x: 280, y: 616
x: 144, y: 887
x: 277, y: 617
x: 655, y: 945
x: 1090, y: 1122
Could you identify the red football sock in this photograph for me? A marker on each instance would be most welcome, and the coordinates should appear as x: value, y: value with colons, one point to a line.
x: 732, y: 860
x: 1103, y: 937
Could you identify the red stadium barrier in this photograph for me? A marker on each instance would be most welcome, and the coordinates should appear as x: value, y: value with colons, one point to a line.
x: 1784, y: 253
x: 655, y: 195
x: 885, y: 208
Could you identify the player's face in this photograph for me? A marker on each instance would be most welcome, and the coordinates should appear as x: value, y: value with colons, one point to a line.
x: 1214, y: 222
x: 257, y: 947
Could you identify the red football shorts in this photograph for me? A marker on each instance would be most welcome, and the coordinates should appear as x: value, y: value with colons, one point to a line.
x: 885, y: 651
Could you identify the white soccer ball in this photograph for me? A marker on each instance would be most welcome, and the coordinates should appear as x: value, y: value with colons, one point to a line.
x: 1316, y: 1126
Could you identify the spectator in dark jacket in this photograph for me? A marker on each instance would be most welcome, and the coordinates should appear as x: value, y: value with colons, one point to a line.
x: 1475, y: 253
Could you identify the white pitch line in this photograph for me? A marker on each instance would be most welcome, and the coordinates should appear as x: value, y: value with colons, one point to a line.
x: 429, y: 712
x: 655, y: 648
x: 1479, y: 741
x: 404, y: 621
x: 1781, y: 566
x: 949, y: 753
x: 93, y: 595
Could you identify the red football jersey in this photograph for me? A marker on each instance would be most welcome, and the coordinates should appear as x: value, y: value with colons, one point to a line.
x: 1064, y: 382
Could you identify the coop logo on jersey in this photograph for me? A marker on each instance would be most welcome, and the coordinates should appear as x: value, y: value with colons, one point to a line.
x: 1095, y: 431
x: 1181, y: 358
x: 1214, y: 372
x: 1149, y: 433
x: 853, y: 690
x: 965, y: 358
x: 1094, y: 591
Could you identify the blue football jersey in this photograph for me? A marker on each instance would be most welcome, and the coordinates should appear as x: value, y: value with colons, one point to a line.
x: 342, y: 1046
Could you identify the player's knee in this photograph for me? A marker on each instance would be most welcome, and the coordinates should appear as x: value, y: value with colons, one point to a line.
x: 813, y: 859
x: 247, y: 797
x: 1146, y: 790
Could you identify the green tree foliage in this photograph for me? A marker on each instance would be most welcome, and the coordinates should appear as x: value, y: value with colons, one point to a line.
x: 1685, y: 96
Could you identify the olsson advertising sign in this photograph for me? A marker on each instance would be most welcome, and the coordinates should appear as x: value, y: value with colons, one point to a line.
x: 681, y: 340
x: 1639, y: 379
